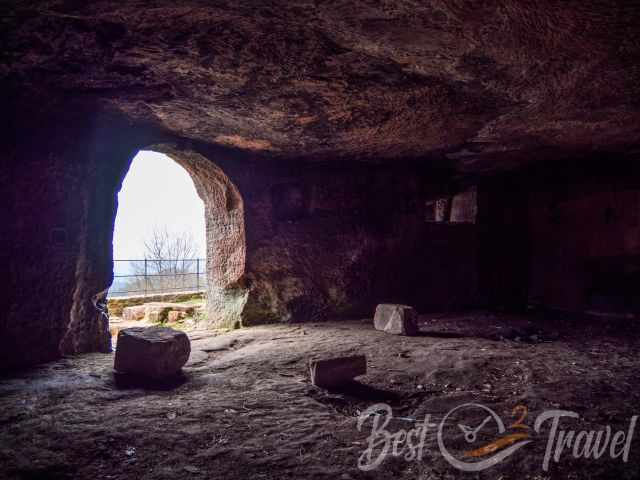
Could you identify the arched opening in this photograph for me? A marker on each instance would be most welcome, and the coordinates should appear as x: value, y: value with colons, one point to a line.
x: 159, y: 233
x: 203, y: 251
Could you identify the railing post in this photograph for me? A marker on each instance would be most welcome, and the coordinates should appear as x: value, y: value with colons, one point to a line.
x: 197, y: 274
x: 145, y: 277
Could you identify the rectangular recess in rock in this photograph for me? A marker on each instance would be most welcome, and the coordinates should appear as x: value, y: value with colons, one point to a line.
x: 335, y: 372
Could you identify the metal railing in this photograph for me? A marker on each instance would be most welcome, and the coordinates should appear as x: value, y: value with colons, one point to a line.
x: 152, y: 276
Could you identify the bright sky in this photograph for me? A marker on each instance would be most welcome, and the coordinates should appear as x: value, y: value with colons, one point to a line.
x: 156, y: 191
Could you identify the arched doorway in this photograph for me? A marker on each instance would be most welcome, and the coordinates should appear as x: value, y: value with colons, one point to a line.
x: 224, y: 237
x: 159, y: 233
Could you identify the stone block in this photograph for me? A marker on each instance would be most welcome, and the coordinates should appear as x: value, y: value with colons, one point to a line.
x: 153, y: 352
x: 335, y: 372
x: 396, y: 319
x: 174, y: 316
x: 134, y: 313
x: 158, y: 312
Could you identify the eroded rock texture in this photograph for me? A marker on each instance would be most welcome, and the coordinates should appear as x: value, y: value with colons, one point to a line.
x: 476, y: 84
x: 324, y: 242
x: 320, y: 136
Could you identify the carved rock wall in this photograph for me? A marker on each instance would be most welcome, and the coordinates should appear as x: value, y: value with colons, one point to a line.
x: 225, y: 234
x: 585, y: 243
x: 323, y: 243
x: 479, y: 85
x: 285, y: 243
x: 56, y: 242
x: 564, y: 236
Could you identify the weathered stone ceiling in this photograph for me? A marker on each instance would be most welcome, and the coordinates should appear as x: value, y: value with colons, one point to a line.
x: 468, y: 82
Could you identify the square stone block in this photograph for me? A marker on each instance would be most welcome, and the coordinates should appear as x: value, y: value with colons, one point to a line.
x: 153, y: 352
x: 396, y: 319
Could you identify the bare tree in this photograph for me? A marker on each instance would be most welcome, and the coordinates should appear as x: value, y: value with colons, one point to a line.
x: 167, y: 252
x: 169, y: 262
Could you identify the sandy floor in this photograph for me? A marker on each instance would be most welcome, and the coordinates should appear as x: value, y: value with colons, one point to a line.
x: 246, y: 409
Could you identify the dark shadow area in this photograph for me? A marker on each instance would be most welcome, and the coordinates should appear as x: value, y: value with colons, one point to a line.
x: 49, y: 472
x: 430, y: 333
x: 126, y: 382
x: 353, y: 397
x: 360, y: 391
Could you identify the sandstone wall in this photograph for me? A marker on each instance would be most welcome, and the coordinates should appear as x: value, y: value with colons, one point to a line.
x: 320, y: 241
x: 564, y: 236
x: 59, y: 175
x: 324, y: 243
x: 585, y: 245
x: 503, y: 244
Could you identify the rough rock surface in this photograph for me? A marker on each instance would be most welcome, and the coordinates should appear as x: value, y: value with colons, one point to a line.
x: 475, y: 84
x: 175, y: 316
x: 154, y: 352
x: 117, y: 304
x: 315, y: 132
x: 396, y: 319
x: 137, y: 312
x: 157, y: 311
x: 68, y: 420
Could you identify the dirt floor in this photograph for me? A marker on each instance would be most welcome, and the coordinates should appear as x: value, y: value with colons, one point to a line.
x: 245, y: 407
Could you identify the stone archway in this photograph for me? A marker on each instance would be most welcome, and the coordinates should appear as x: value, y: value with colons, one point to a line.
x: 225, y: 235
x: 86, y: 329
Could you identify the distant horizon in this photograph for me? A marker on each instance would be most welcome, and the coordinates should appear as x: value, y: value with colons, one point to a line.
x: 156, y: 192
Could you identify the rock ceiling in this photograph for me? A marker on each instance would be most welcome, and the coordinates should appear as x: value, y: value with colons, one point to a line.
x: 469, y: 83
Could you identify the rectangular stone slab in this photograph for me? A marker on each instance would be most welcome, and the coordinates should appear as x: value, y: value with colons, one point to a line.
x: 159, y: 311
x: 396, y: 319
x: 136, y: 312
x: 152, y: 352
x: 334, y: 372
